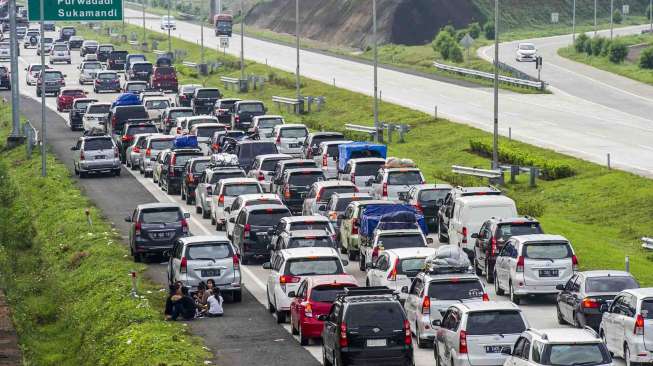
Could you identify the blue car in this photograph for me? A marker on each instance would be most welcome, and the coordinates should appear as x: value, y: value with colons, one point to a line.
x: 107, y: 80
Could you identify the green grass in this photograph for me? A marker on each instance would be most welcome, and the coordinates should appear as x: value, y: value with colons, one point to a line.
x: 68, y: 283
x: 603, y: 212
x: 627, y: 68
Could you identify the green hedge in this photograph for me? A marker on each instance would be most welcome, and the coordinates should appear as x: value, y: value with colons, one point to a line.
x: 550, y: 169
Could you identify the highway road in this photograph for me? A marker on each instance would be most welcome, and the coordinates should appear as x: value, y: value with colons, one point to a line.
x: 247, y: 334
x: 559, y: 121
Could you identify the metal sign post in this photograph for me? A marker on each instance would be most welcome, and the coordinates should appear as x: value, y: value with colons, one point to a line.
x: 16, y: 134
x: 224, y: 44
x: 467, y: 43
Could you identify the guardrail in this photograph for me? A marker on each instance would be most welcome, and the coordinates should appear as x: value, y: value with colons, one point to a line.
x: 495, y: 176
x: 647, y: 243
x: 234, y: 83
x: 189, y: 64
x: 31, y: 137
x: 514, y: 170
x: 489, y: 76
x: 296, y: 104
x: 389, y: 127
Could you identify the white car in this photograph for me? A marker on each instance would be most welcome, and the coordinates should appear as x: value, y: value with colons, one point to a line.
x: 88, y: 70
x: 263, y: 168
x: 361, y: 170
x: 526, y: 52
x: 627, y: 328
x: 226, y: 191
x: 327, y: 157
x: 391, y: 239
x: 289, y: 138
x: 290, y: 266
x: 96, y: 116
x: 204, y: 132
x: 396, y: 268
x: 245, y: 200
x: 60, y: 53
x: 133, y: 151
x: 389, y: 182
x: 320, y: 192
x: 155, y: 107
x: 32, y: 74
x: 168, y: 23
x: 5, y: 50
x: 264, y: 126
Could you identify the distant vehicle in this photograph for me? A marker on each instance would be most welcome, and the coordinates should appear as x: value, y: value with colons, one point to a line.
x: 77, y: 112
x: 223, y: 108
x: 139, y: 70
x: 47, y: 45
x: 66, y: 32
x: 153, y: 146
x: 88, y: 47
x: 327, y: 158
x: 191, y: 177
x: 289, y: 138
x: 31, y: 38
x: 223, y: 24
x: 170, y: 115
x: 96, y: 116
x: 185, y: 94
x: 164, y: 78
x: 244, y: 111
x: 95, y: 154
x: 173, y: 168
x: 60, y: 53
x: 126, y: 137
x: 155, y: 227
x: 250, y: 234
x: 32, y: 73
x: 263, y: 168
x: 204, y: 100
x: 312, y: 142
x: 54, y: 81
x: 397, y: 268
x: 5, y: 80
x: 75, y: 42
x: 103, y: 52
x: 5, y: 50
x: 168, y: 23
x: 361, y: 170
x: 48, y: 26
x: 136, y: 87
x: 116, y: 60
x: 106, y: 80
x: 88, y: 71
x: 263, y: 126
x: 21, y: 32
x: 446, y: 210
x: 133, y: 57
x: 427, y: 199
x: 67, y: 96
x: 526, y: 52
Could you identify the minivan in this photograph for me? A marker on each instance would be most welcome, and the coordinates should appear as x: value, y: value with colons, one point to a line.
x: 164, y: 78
x: 251, y: 227
x: 244, y: 111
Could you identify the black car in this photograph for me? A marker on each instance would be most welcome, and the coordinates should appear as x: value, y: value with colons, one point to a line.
x: 296, y: 184
x: 204, y: 100
x: 88, y: 47
x: 139, y: 70
x: 75, y: 42
x: 427, y: 199
x: 76, y: 114
x: 191, y: 177
x: 185, y: 94
x: 283, y: 165
x: 173, y: 168
x: 223, y: 109
x: 5, y: 80
x: 106, y: 80
x: 116, y: 60
x: 66, y: 32
x: 251, y: 226
x: 219, y: 137
x: 248, y: 150
x: 155, y: 227
x: 244, y: 111
x: 103, y: 52
x: 366, y: 326
x: 119, y: 115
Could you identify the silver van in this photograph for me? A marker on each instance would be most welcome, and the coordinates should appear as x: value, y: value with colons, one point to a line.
x: 94, y: 154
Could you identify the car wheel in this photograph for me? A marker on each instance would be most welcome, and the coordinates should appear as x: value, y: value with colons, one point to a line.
x: 198, y: 209
x: 325, y: 360
x: 134, y: 167
x: 497, y: 286
x: 206, y: 214
x: 513, y: 297
x: 477, y: 269
x: 367, y: 282
x: 213, y: 221
x: 627, y: 357
x: 183, y: 194
x: 82, y: 174
x: 351, y: 255
x: 117, y: 172
x: 561, y: 319
x: 281, y: 316
x: 245, y: 260
x: 436, y: 355
x: 361, y: 262
x: 270, y: 306
x: 138, y: 258
x: 488, y: 274
x: 293, y: 330
x: 421, y: 343
x: 237, y: 296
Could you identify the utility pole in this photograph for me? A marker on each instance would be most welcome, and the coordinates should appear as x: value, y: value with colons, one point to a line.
x: 168, y: 24
x: 611, y: 18
x: 201, y: 38
x: 377, y: 127
x: 573, y: 22
x: 298, y: 81
x: 16, y: 134
x: 44, y: 171
x: 143, y: 3
x: 242, y: 44
x: 495, y: 142
x: 650, y: 15
x: 123, y: 17
x: 596, y: 24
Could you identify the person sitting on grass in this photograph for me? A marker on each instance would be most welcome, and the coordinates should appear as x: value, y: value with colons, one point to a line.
x: 215, y: 303
x: 173, y: 303
x: 187, y: 305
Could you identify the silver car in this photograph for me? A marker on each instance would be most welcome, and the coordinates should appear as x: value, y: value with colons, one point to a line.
x: 206, y: 186
x: 264, y: 125
x: 198, y: 259
x: 133, y: 151
x: 60, y: 53
x: 289, y: 138
x: 263, y: 169
x: 5, y: 50
x: 153, y: 146
x: 94, y: 154
x: 88, y: 70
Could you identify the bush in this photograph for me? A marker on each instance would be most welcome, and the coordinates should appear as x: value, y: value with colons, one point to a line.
x: 618, y: 52
x: 475, y: 30
x: 606, y: 47
x: 461, y: 34
x: 488, y: 29
x: 579, y: 43
x: 597, y: 45
x: 456, y: 53
x: 443, y: 43
x: 588, y: 47
x: 449, y: 29
x: 646, y: 58
x: 510, y: 154
x: 617, y: 17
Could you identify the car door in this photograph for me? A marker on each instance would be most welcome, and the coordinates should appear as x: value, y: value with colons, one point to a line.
x: 237, y: 235
x: 307, y: 207
x: 377, y: 186
x: 614, y: 323
x: 374, y: 273
x: 573, y: 297
x: 295, y: 304
x: 345, y: 226
x: 563, y: 298
x: 412, y: 300
x: 481, y: 244
x: 455, y: 226
x: 517, y: 352
x: 446, y: 332
x: 502, y: 263
x: 625, y: 321
x: 329, y: 333
x: 273, y: 277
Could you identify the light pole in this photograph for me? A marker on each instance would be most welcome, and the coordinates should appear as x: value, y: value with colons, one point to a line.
x: 573, y: 22
x: 650, y: 14
x: 16, y: 134
x: 611, y: 18
x: 201, y: 38
x: 168, y: 24
x: 298, y: 81
x: 143, y: 3
x: 377, y: 127
x: 495, y: 142
x: 596, y: 24
x: 44, y: 171
x: 242, y: 44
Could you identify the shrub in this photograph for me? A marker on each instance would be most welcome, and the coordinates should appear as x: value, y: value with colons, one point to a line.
x: 461, y: 34
x: 488, y: 29
x: 579, y: 43
x: 617, y: 17
x: 606, y: 47
x: 597, y: 45
x: 456, y: 53
x: 531, y: 207
x: 443, y: 43
x: 475, y: 30
x: 449, y: 29
x: 618, y: 52
x: 588, y: 47
x: 646, y: 58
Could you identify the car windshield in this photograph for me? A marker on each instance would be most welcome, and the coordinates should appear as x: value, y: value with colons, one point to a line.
x: 310, y: 242
x: 269, y: 164
x: 295, y: 132
x: 526, y: 47
x: 547, y: 251
x: 182, y: 159
x: 107, y: 76
x: 384, y: 315
x: 135, y: 130
x: 342, y: 203
x: 327, y: 192
x: 216, y: 177
x: 161, y: 215
x: 165, y: 70
x: 136, y: 87
x: 269, y: 123
x: 92, y: 66
x: 99, y: 109
x: 161, y: 144
x: 98, y: 144
x: 432, y: 195
x: 495, y: 322
x: 70, y: 93
x: 36, y: 68
x: 410, y: 266
x: 314, y: 266
x: 157, y: 104
x: 510, y: 229
x: 327, y: 293
x: 53, y: 75
x: 401, y: 241
x: 90, y: 43
x: 47, y: 40
x: 332, y: 150
x: 576, y: 354
x: 305, y: 179
x: 208, y: 93
x: 239, y: 189
x: 481, y: 213
x: 189, y: 89
x: 455, y: 289
x: 207, y: 131
x: 310, y: 225
x: 68, y: 31
x: 209, y: 251
x: 176, y: 114
x: 254, y: 149
x: 118, y: 55
x: 60, y: 47
x: 262, y: 201
x: 105, y: 48
x: 407, y: 178
x: 368, y: 169
x: 268, y: 217
x: 610, y: 284
x: 251, y: 108
x: 82, y: 104
x: 142, y: 67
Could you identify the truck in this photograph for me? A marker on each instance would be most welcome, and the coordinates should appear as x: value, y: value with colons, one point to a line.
x: 223, y: 24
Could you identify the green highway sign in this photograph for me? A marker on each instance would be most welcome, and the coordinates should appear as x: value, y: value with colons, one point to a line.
x: 75, y: 10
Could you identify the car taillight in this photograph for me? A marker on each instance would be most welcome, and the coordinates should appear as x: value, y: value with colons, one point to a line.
x: 520, y: 264
x: 426, y: 305
x: 343, y: 335
x: 114, y: 119
x: 148, y: 152
x: 419, y: 207
x: 354, y: 227
x: 279, y: 139
x: 221, y: 200
x: 385, y: 189
x: 318, y: 196
x: 408, y: 338
x: 246, y: 230
x: 81, y: 155
x: 286, y: 191
x: 284, y: 279
x: 127, y: 138
x: 184, y: 226
x: 209, y: 190
x: 462, y: 345
x: 464, y: 233
x: 486, y: 297
x: 639, y: 325
x: 236, y: 262
x: 375, y: 253
x: 392, y: 276
x: 308, y: 309
x: 137, y: 228
x: 97, y: 81
x: 324, y: 160
x: 237, y: 118
x: 589, y: 303
x: 191, y: 178
x: 493, y: 249
x: 574, y: 262
x: 184, y: 265
x: 352, y: 177
x: 136, y: 149
x: 261, y: 176
x: 178, y: 130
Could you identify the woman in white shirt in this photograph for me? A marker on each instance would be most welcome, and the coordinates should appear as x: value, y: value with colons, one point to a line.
x: 215, y: 303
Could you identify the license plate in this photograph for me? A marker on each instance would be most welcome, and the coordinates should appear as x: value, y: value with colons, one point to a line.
x: 210, y: 272
x: 548, y: 273
x: 377, y: 343
x: 161, y: 235
x: 293, y: 146
x: 496, y: 349
x: 98, y: 157
x: 262, y: 236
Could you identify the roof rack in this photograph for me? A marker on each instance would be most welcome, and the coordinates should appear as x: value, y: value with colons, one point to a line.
x: 373, y: 290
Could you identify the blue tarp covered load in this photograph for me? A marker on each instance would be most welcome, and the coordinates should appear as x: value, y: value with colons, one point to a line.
x: 405, y: 215
x: 356, y: 150
x: 185, y: 142
x: 126, y: 99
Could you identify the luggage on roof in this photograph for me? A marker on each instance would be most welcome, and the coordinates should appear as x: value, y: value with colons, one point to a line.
x: 224, y: 160
x: 185, y: 142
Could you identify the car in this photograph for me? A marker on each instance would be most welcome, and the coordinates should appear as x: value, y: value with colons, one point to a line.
x: 534, y: 264
x: 88, y: 71
x: 390, y: 239
x: 246, y: 200
x: 5, y: 80
x: 192, y: 172
x: 32, y: 73
x: 366, y: 326
x: 206, y: 186
x: 96, y: 116
x: 135, y: 87
x: 203, y: 101
x: 390, y: 182
x: 427, y: 199
x: 283, y: 165
x: 49, y: 26
x: 287, y: 225
x: 66, y: 97
x: 164, y: 78
x: 116, y: 60
x: 66, y: 32
x: 103, y: 51
x: 155, y: 107
x: 446, y: 210
x: 222, y: 108
x: 313, y: 298
x: 60, y: 53
x: 75, y: 42
x: 244, y: 111
x: 559, y: 347
x: 626, y: 326
x: 350, y: 224
x: 203, y: 132
x: 197, y: 259
x: 95, y: 154
x: 250, y: 234
x: 579, y: 301
x: 45, y: 43
x: 493, y: 235
x: 303, y: 239
x: 119, y: 115
x: 526, y: 51
x: 154, y: 144
x: 21, y: 32
x: 289, y: 138
x: 31, y: 38
x: 360, y: 171
x: 247, y: 151
x: 173, y: 168
x: 263, y: 168
x: 319, y: 194
x: 170, y: 115
x: 314, y: 139
x: 106, y: 80
x: 263, y: 126
x: 185, y: 94
x: 157, y: 165
x: 133, y: 152
x: 54, y: 81
x: 295, y: 185
x: 479, y: 332
x: 226, y: 138
x: 77, y: 112
x: 154, y: 229
x: 133, y: 58
x: 290, y: 266
x: 337, y: 205
x: 225, y: 193
x: 139, y: 70
x: 5, y: 50
x: 168, y: 23
x: 88, y: 47
x: 126, y: 137
x: 327, y: 157
x: 396, y: 268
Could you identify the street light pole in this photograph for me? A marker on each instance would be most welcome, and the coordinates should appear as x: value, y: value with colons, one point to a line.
x: 42, y: 77
x: 16, y: 133
x: 143, y: 3
x: 611, y: 18
x: 596, y: 24
x: 298, y: 81
x: 377, y: 127
x: 201, y: 38
x: 573, y: 22
x: 650, y: 15
x: 242, y: 43
x: 495, y: 142
x: 169, y: 38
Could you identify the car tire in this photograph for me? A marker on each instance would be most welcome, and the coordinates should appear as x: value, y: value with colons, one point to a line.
x: 489, y: 277
x: 351, y: 255
x: 237, y: 296
x: 325, y: 360
x: 138, y: 258
x: 198, y: 209
x: 627, y: 357
x: 133, y: 167
x: 560, y: 318
x: 270, y: 306
x: 183, y: 194
x: 293, y: 330
x: 206, y: 214
x: 213, y: 221
x: 436, y: 355
x: 117, y: 172
x: 82, y: 174
x: 361, y: 262
x: 478, y: 270
x: 303, y: 341
x: 497, y: 287
x: 513, y: 297
x: 245, y: 260
x: 421, y: 343
x: 281, y: 316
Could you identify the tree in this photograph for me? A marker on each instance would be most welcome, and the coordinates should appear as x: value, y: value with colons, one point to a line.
x: 618, y: 52
x: 475, y: 30
x: 646, y: 58
x: 449, y: 29
x: 456, y: 53
x: 617, y: 17
x: 579, y: 43
x: 443, y: 44
x: 488, y: 29
x: 460, y: 34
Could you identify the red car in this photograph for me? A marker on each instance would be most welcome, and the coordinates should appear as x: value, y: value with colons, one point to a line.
x: 67, y: 96
x: 313, y: 298
x: 164, y: 78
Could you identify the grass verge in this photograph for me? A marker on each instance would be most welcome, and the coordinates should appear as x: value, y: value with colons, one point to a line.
x: 68, y: 282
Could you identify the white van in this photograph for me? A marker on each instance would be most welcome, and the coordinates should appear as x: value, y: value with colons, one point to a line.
x: 469, y: 214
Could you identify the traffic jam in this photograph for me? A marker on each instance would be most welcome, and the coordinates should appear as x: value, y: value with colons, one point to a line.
x: 356, y: 254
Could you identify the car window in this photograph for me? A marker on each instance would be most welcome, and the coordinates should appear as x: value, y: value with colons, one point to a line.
x: 647, y: 308
x: 209, y: 251
x: 267, y: 218
x: 455, y: 289
x: 107, y: 76
x: 240, y: 189
x: 384, y: 315
x: 99, y: 109
x: 417, y: 287
x: 313, y: 266
x: 217, y: 176
x: 327, y: 293
x: 519, y: 347
x: 269, y: 122
x: 161, y: 144
x: 161, y: 215
x: 208, y: 93
x: 327, y: 192
x: 495, y: 322
x: 547, y: 251
x: 251, y: 108
x: 322, y: 242
x: 268, y: 164
x: 293, y: 132
x: 410, y: 266
x: 610, y: 284
x: 576, y: 354
x: 305, y: 179
x: 182, y: 159
x: 252, y: 150
x: 135, y: 130
x: 508, y: 230
x: 432, y: 195
x: 306, y: 225
x: 157, y: 104
x: 98, y: 144
x: 382, y: 263
x: 401, y: 241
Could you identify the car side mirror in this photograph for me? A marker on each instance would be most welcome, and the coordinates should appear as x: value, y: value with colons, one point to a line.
x: 187, y: 215
x: 322, y: 317
x: 267, y: 265
x: 369, y: 266
x: 560, y: 287
x: 603, y: 308
x: 292, y: 294
x: 404, y: 290
x: 436, y: 323
x: 341, y: 216
x: 322, y: 207
x: 439, y: 202
x: 74, y: 148
x: 345, y: 262
x: 232, y: 220
x: 227, y: 209
x: 429, y: 241
x: 128, y: 219
x: 475, y: 236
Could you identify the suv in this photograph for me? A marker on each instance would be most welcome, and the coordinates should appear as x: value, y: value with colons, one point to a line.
x: 263, y: 126
x: 88, y: 47
x: 192, y: 172
x: 106, y: 80
x: 315, y: 201
x: 360, y: 170
x: 95, y: 154
x: 559, y: 347
x: 155, y: 227
x: 303, y: 239
x: 170, y: 115
x: 204, y: 100
x: 164, y: 78
x: 225, y: 193
x: 245, y: 200
x: 96, y: 116
x: 197, y: 259
x: 286, y: 226
x: 60, y: 53
x: 244, y: 111
x: 295, y: 185
x: 119, y: 115
x: 67, y: 96
x: 103, y: 52
x: 247, y: 151
x: 290, y: 266
x: 493, y: 234
x: 251, y: 227
x: 185, y: 94
x: 396, y: 268
x: 66, y: 32
x: 579, y: 301
x: 54, y: 81
x: 390, y: 239
x: 337, y: 205
x: 390, y: 182
x: 263, y: 168
x: 88, y: 71
x: 139, y: 71
x: 116, y: 60
x: 126, y: 138
x: 77, y: 112
x: 289, y: 138
x: 75, y: 42
x: 477, y: 333
x: 223, y: 108
x: 32, y: 73
x: 173, y: 168
x: 427, y: 199
x: 366, y: 326
x: 446, y: 210
x: 534, y: 264
x: 313, y: 140
x: 209, y: 178
x: 282, y: 165
x: 327, y: 157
